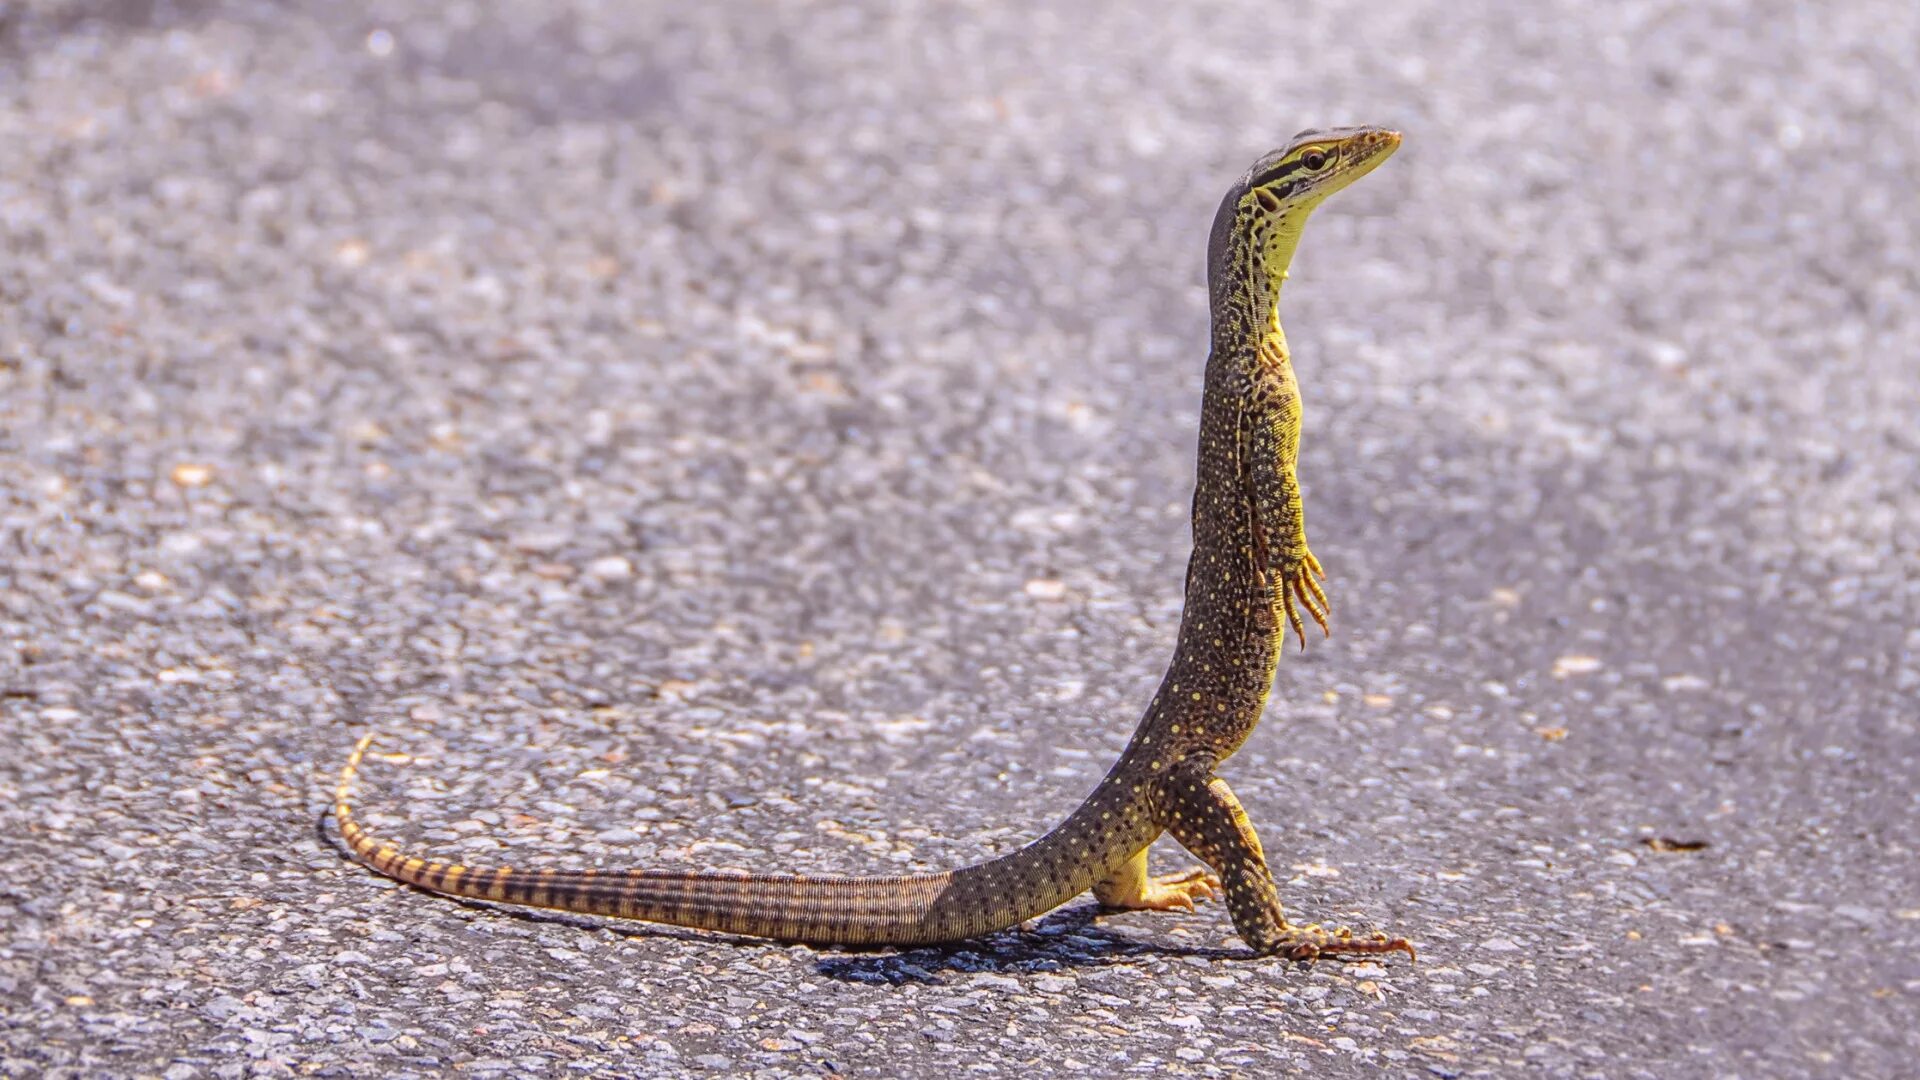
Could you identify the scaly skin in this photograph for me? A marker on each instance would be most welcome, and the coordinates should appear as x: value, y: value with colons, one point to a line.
x: 1250, y: 575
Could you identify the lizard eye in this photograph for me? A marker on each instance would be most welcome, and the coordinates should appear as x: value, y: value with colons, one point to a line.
x: 1315, y: 159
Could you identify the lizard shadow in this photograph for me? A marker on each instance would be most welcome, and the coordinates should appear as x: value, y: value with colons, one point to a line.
x: 1067, y: 937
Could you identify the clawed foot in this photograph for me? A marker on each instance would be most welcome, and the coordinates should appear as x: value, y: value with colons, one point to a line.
x: 1313, y: 942
x: 1298, y: 585
x: 1171, y: 892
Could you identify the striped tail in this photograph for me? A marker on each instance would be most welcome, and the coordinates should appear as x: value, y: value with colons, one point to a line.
x: 920, y: 909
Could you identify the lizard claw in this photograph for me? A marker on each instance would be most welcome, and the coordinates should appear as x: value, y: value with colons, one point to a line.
x: 1299, y: 587
x: 1315, y: 941
x: 1172, y: 892
x: 1181, y: 891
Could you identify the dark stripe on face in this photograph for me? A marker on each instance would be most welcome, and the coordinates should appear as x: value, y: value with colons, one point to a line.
x: 1278, y: 173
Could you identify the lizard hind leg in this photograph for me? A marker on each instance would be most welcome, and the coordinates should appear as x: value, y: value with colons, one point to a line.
x: 1131, y: 888
x: 1203, y: 814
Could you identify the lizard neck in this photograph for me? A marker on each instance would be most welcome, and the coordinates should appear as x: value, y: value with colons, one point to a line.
x: 1229, y: 641
x: 1223, y: 663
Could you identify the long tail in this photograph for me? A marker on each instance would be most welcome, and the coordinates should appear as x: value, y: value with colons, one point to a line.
x: 918, y: 909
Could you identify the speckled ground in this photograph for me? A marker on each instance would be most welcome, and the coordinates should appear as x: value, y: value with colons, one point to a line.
x: 759, y: 437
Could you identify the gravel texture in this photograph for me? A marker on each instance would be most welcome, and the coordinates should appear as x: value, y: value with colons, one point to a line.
x: 759, y: 436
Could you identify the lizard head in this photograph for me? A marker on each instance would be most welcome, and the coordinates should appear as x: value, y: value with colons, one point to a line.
x: 1260, y: 219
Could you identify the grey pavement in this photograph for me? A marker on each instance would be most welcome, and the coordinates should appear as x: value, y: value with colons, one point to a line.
x: 758, y: 436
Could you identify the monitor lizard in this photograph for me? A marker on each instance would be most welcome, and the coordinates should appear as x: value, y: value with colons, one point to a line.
x: 1249, y: 577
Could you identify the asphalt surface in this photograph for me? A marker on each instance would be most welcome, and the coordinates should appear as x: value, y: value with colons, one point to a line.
x: 760, y: 437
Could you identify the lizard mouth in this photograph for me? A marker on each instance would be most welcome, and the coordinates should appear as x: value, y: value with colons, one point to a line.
x: 1360, y: 154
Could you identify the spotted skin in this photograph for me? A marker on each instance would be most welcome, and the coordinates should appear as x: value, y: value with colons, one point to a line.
x: 1250, y: 576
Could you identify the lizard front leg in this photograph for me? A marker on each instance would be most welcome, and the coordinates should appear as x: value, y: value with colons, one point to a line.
x: 1202, y: 813
x: 1132, y: 888
x: 1270, y: 447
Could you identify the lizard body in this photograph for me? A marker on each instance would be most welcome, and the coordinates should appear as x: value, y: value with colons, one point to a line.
x: 1250, y: 574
